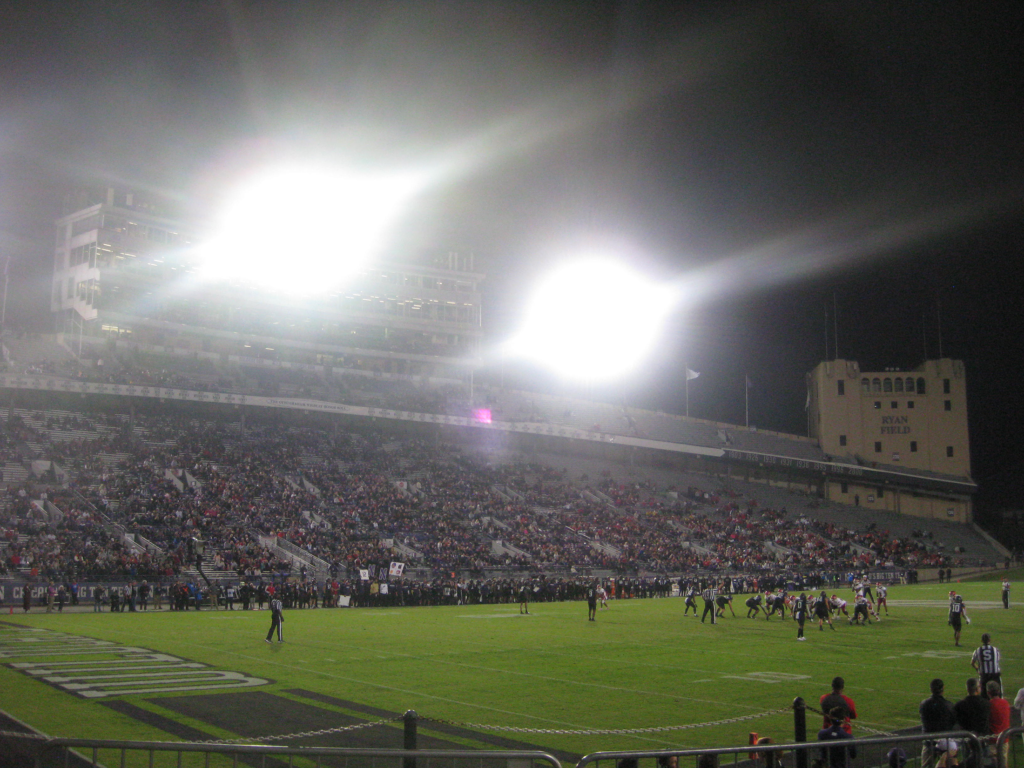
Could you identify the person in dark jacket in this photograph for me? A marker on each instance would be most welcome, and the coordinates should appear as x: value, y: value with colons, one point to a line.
x: 972, y: 714
x: 936, y: 716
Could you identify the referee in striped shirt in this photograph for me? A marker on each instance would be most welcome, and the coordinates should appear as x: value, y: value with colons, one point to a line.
x: 276, y: 621
x: 709, y: 594
x: 986, y: 661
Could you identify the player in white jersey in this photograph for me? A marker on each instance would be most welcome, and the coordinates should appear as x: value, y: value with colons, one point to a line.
x: 882, y: 592
x: 602, y: 597
x: 838, y: 605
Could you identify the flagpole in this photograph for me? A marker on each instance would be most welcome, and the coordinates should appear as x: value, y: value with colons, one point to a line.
x: 686, y: 375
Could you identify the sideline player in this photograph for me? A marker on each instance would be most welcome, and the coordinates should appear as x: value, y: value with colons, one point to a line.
x: 957, y: 611
x: 1006, y: 593
x: 524, y: 599
x: 276, y: 620
x: 753, y: 604
x: 882, y: 591
x: 822, y: 612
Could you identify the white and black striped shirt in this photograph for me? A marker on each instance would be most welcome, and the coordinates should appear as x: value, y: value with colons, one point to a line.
x: 709, y: 594
x: 276, y: 606
x: 986, y: 658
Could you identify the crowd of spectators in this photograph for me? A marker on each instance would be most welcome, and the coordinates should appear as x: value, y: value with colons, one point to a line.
x: 353, y: 499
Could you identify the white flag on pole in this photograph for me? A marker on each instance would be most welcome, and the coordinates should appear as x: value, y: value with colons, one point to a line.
x: 691, y: 374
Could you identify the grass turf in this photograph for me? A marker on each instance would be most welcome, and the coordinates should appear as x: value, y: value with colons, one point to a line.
x: 641, y: 664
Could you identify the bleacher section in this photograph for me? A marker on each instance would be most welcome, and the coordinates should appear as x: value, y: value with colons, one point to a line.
x: 346, y: 498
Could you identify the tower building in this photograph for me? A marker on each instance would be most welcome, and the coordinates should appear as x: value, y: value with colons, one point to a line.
x: 911, y: 424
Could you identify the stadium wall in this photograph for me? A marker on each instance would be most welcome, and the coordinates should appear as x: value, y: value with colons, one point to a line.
x: 901, y: 501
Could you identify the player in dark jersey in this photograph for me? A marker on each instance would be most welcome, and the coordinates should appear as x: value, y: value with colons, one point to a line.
x: 592, y: 601
x: 753, y: 604
x: 867, y: 592
x: 822, y: 612
x: 860, y: 610
x: 691, y: 600
x: 957, y: 614
x: 776, y: 605
x: 722, y: 601
x: 524, y: 599
x: 800, y: 614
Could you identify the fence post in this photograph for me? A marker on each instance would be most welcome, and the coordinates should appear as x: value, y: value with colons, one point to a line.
x: 410, y: 719
x: 800, y: 730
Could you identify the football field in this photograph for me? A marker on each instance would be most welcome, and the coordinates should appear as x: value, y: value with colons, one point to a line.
x: 467, y: 670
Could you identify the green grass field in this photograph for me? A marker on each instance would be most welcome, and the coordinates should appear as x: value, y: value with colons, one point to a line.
x: 641, y: 664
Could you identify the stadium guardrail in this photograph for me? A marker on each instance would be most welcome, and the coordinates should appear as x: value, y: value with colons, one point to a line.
x: 852, y: 753
x: 54, y: 751
x: 1002, y: 746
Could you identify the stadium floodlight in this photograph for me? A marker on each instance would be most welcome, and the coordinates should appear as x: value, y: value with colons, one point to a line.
x: 303, y: 230
x: 593, y: 320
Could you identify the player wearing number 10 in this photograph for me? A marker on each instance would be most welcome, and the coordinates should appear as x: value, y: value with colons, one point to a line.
x: 957, y: 611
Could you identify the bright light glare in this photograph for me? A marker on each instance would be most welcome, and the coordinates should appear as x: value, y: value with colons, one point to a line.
x: 593, y: 320
x: 303, y: 230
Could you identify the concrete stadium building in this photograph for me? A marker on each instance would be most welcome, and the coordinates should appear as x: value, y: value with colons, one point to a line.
x: 907, y: 424
x: 126, y: 272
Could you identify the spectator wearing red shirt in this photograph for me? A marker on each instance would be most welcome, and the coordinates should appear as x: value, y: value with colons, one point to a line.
x: 837, y: 698
x: 999, y: 715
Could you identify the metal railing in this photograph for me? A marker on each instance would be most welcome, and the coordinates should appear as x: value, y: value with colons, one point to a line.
x: 57, y: 752
x: 1005, y: 758
x: 853, y: 753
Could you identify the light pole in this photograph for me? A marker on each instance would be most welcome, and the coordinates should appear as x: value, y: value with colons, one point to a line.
x: 7, y: 279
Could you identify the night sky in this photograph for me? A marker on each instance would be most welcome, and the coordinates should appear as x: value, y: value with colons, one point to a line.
x: 803, y: 158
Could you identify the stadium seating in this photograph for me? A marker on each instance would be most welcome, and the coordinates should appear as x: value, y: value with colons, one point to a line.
x: 282, y: 495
